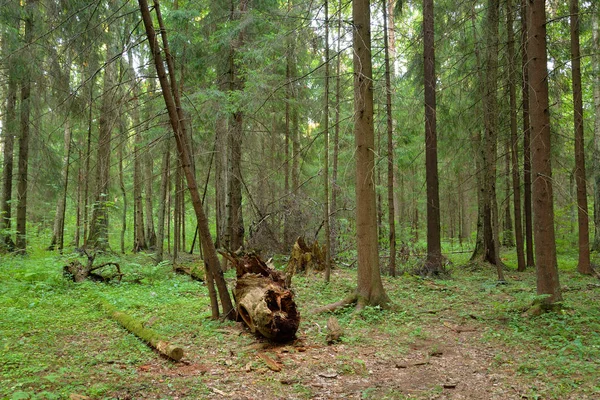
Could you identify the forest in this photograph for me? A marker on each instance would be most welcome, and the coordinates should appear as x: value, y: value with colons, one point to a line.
x: 300, y: 199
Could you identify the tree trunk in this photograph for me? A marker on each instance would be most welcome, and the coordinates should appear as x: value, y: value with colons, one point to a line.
x: 326, y: 152
x: 164, y: 187
x: 173, y: 104
x: 390, y: 143
x: 98, y: 233
x: 434, y: 262
x: 596, y: 69
x: 59, y: 219
x: 370, y: 289
x: 139, y: 232
x: 335, y: 189
x: 122, y: 186
x: 21, y: 239
x: 584, y: 265
x: 530, y: 262
x: 8, y: 135
x: 514, y: 146
x: 545, y: 248
x: 508, y: 236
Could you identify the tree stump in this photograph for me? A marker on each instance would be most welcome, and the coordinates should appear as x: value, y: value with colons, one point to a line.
x: 305, y: 258
x: 264, y: 301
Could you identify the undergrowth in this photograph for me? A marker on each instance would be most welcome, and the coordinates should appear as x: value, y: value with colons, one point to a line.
x: 56, y: 340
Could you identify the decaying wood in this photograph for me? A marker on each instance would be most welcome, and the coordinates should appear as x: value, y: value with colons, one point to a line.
x: 334, y: 331
x: 78, y: 272
x: 305, y: 258
x: 194, y: 271
x: 264, y: 301
x: 147, y: 335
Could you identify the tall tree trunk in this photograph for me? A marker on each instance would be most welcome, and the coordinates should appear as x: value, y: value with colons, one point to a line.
x: 514, y: 146
x: 530, y: 262
x: 543, y: 213
x: 8, y: 135
x: 98, y: 231
x: 122, y: 186
x: 326, y: 152
x: 434, y: 246
x: 164, y: 187
x: 390, y: 142
x: 172, y: 101
x: 508, y: 236
x: 336, y: 139
x: 490, y: 116
x: 139, y: 232
x: 596, y: 68
x: 236, y: 220
x: 21, y: 239
x: 370, y: 289
x: 584, y: 266
x: 57, y: 240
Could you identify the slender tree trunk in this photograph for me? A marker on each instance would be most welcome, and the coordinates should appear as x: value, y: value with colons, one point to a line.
x: 370, y: 289
x: 434, y: 247
x: 326, y: 152
x: 545, y: 249
x: 21, y: 239
x: 88, y: 155
x: 530, y: 262
x: 8, y: 135
x: 390, y: 143
x: 98, y: 233
x: 164, y: 187
x: 584, y: 266
x: 59, y: 218
x: 173, y: 104
x: 514, y: 146
x: 596, y: 82
x: 139, y: 232
x: 508, y: 237
x: 122, y: 187
x: 335, y: 190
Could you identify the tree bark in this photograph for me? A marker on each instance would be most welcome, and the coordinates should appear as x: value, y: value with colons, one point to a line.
x: 545, y: 249
x: 434, y: 262
x: 514, y: 146
x: 596, y: 157
x: 21, y: 239
x: 370, y: 289
x: 57, y: 240
x: 584, y: 266
x: 122, y: 186
x: 164, y: 187
x: 172, y: 102
x: 139, y: 232
x: 98, y: 233
x: 390, y: 142
x: 530, y: 262
x: 326, y: 212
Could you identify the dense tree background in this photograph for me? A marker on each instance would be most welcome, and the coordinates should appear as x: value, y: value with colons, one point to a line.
x: 83, y: 111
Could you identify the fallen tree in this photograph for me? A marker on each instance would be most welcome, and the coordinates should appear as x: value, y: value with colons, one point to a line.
x: 147, y: 335
x: 78, y: 272
x: 263, y: 299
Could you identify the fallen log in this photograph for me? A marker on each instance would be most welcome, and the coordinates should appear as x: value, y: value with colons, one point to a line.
x: 264, y: 301
x: 194, y: 272
x: 147, y: 335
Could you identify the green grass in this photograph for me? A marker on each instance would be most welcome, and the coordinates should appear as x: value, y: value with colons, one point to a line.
x: 57, y: 341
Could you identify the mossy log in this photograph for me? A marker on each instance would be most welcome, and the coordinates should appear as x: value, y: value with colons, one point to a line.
x: 194, y: 272
x: 147, y: 335
x: 79, y: 272
x: 264, y: 302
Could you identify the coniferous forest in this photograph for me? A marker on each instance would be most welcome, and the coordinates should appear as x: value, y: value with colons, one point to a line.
x: 297, y: 199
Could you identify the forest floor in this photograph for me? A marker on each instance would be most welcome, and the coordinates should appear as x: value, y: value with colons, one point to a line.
x: 464, y: 337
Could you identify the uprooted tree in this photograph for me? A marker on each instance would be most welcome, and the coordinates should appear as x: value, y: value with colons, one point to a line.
x: 79, y: 272
x: 264, y: 301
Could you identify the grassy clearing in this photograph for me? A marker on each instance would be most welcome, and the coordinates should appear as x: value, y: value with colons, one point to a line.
x: 56, y: 341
